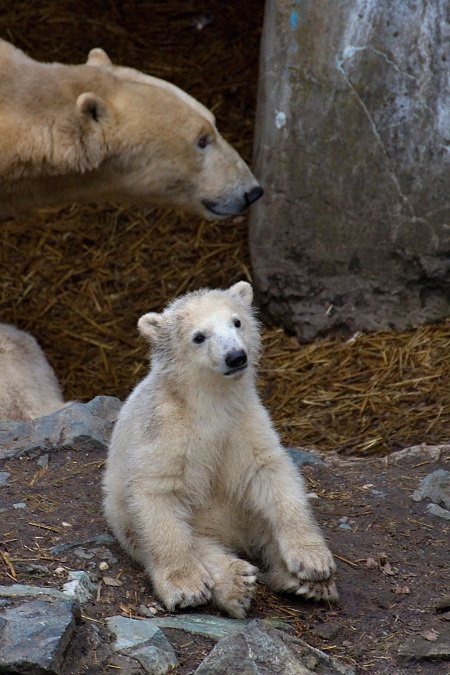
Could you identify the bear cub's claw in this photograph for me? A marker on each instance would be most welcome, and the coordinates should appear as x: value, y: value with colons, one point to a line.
x: 319, y: 590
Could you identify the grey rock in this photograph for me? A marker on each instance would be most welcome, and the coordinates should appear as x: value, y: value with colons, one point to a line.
x: 79, y: 586
x: 145, y: 642
x: 415, y: 454
x: 438, y: 511
x: 258, y: 650
x: 435, y: 487
x: 378, y: 493
x: 443, y: 603
x: 19, y: 505
x: 417, y: 648
x: 43, y: 461
x: 155, y: 660
x: 213, y: 627
x: 82, y: 553
x: 4, y: 475
x: 252, y: 651
x: 23, y: 591
x: 102, y: 539
x: 106, y: 407
x: 303, y: 458
x: 80, y: 426
x: 351, y: 145
x: 34, y: 636
x: 31, y: 568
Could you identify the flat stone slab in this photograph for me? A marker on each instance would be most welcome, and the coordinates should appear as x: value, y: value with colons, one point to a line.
x: 258, y: 650
x: 143, y: 641
x: 421, y: 648
x: 79, y: 426
x: 213, y: 627
x: 35, y: 634
x: 24, y: 591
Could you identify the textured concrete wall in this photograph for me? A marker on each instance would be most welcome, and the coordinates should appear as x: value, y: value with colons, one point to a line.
x: 353, y: 149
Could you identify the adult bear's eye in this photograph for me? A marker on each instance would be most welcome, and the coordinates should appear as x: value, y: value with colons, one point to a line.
x: 237, y: 323
x: 203, y: 142
x: 198, y: 338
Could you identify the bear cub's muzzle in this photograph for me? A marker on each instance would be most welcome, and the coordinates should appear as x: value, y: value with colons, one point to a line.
x: 236, y: 360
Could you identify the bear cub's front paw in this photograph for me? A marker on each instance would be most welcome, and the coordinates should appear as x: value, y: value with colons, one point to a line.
x: 307, y: 569
x: 183, y: 587
x: 234, y: 591
x: 312, y: 561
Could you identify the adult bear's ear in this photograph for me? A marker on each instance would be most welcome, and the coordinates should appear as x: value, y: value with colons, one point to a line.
x: 98, y: 57
x: 92, y: 115
x: 91, y: 108
x: 243, y: 291
x: 149, y: 325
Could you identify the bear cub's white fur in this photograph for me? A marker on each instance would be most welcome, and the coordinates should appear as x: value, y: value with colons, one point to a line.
x: 28, y: 384
x: 196, y: 473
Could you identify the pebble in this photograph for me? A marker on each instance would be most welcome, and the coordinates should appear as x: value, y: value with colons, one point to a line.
x: 79, y: 586
x: 4, y: 475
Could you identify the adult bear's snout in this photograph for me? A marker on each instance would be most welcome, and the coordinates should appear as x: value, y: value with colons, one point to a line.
x: 254, y: 194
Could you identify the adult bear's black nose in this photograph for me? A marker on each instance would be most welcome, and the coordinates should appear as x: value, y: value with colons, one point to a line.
x: 236, y: 358
x: 254, y: 194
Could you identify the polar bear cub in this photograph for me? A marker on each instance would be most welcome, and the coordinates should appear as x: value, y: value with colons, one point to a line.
x: 28, y: 385
x: 196, y: 474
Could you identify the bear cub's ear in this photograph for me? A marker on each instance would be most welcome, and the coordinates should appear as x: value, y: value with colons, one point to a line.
x: 243, y: 291
x: 149, y: 325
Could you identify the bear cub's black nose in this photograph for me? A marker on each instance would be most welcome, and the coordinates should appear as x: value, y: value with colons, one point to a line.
x: 236, y: 358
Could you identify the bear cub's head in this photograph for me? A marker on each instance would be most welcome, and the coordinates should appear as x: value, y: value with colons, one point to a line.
x: 205, y: 334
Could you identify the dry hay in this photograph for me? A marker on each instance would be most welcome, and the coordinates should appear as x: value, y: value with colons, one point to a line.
x: 80, y: 277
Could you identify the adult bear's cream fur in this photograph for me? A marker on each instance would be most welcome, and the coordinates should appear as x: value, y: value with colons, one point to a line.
x: 98, y: 132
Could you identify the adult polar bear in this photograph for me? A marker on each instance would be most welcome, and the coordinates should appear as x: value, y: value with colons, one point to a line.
x: 196, y: 473
x: 98, y: 132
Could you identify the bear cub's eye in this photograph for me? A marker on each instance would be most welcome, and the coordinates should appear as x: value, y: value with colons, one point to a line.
x: 202, y: 142
x: 198, y: 338
x: 237, y: 323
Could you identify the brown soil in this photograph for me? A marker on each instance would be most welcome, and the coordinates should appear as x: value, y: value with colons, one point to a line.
x: 393, y: 562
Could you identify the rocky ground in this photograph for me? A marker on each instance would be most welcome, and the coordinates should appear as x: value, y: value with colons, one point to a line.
x: 391, y: 548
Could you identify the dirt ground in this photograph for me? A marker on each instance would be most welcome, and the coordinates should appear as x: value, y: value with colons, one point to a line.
x: 392, y: 558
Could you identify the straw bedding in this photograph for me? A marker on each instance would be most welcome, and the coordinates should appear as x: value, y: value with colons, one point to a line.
x: 79, y: 278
